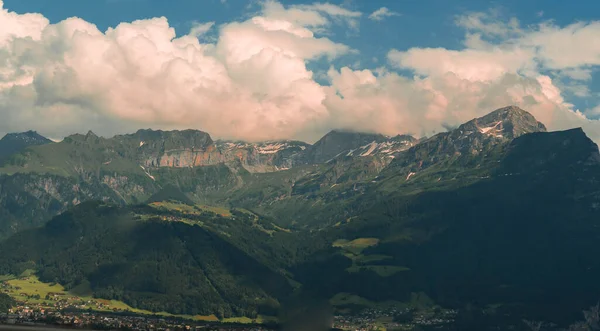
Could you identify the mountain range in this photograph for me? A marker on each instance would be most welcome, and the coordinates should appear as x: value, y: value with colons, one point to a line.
x: 498, y: 214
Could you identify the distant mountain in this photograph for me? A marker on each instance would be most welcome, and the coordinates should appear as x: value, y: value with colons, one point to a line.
x: 497, y: 215
x: 387, y: 148
x: 471, y: 142
x: 15, y: 142
x: 336, y: 142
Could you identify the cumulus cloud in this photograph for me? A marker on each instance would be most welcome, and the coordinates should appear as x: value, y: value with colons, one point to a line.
x: 316, y: 17
x: 504, y: 63
x: 252, y: 81
x: 381, y: 13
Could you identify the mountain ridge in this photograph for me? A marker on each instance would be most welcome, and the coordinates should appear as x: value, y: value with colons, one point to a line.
x: 483, y: 227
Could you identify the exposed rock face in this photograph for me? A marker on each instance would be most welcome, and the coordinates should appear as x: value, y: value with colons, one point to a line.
x: 336, y: 142
x: 180, y: 149
x: 29, y: 199
x: 265, y: 156
x: 476, y: 137
x: 504, y: 123
x: 386, y: 149
x: 180, y: 158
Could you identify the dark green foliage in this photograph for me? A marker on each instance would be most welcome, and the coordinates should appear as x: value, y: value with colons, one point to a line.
x: 155, y: 265
x: 6, y: 303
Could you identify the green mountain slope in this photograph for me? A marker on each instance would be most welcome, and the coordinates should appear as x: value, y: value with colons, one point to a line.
x: 155, y: 259
x: 524, y: 238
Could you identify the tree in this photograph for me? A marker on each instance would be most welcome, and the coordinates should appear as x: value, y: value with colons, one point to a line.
x: 6, y: 302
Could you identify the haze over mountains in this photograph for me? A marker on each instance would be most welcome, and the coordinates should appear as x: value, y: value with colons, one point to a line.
x: 495, y: 213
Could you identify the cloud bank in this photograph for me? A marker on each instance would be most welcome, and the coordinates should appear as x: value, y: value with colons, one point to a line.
x: 252, y: 82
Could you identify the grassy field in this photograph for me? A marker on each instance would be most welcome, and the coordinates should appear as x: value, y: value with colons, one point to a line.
x: 360, y: 262
x: 198, y: 210
x: 26, y: 290
x: 192, y: 210
x: 356, y: 246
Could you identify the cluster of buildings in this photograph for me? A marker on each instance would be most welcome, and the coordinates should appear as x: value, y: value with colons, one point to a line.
x: 104, y: 321
x: 374, y: 319
x: 62, y: 310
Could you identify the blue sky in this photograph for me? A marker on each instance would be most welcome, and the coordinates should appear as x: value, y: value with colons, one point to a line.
x: 423, y: 23
x: 429, y: 27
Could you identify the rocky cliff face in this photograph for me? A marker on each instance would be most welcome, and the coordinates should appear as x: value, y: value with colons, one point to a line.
x: 264, y: 156
x: 477, y: 137
x: 30, y: 199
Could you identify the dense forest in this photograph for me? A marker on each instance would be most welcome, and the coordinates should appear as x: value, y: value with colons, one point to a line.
x: 150, y: 264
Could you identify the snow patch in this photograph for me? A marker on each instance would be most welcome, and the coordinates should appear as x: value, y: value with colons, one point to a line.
x: 489, y: 128
x: 372, y: 147
x: 147, y: 173
x: 270, y: 148
x: 142, y: 143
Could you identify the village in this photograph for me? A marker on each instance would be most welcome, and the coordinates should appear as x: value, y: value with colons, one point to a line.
x: 40, y: 304
x: 26, y: 316
x: 45, y: 304
x: 392, y: 318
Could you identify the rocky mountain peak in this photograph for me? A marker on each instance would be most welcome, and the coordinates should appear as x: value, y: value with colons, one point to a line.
x: 15, y: 142
x: 339, y: 141
x: 476, y: 137
x: 508, y: 122
x: 30, y: 137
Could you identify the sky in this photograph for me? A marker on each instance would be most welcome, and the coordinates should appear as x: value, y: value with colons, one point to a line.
x: 264, y: 69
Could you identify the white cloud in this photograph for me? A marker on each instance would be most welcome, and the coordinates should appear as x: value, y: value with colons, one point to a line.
x: 582, y: 74
x: 469, y: 64
x: 199, y: 29
x: 315, y: 17
x: 253, y: 81
x: 503, y: 62
x: 381, y: 13
x: 567, y: 47
x: 489, y: 24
